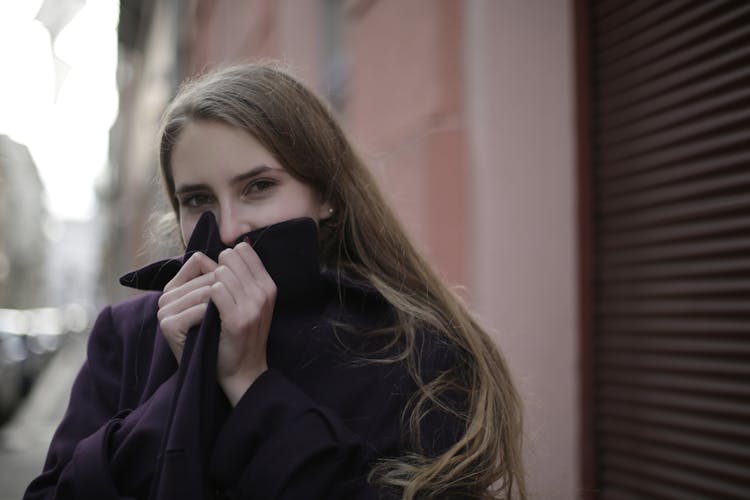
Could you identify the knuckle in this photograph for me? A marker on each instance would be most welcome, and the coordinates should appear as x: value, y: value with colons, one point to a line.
x: 166, y: 323
x: 162, y: 313
x: 189, y: 264
x: 256, y: 294
x: 224, y: 255
x: 195, y: 263
x: 245, y: 249
x: 166, y: 296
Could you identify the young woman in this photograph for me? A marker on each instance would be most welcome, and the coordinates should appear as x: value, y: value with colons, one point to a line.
x: 301, y: 347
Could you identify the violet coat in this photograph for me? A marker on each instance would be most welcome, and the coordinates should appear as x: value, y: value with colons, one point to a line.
x: 310, y: 427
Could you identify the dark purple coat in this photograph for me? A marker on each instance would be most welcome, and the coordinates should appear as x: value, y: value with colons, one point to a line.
x: 310, y: 427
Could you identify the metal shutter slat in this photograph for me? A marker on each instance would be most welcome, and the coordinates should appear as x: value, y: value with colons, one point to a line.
x: 680, y: 212
x: 677, y: 344
x: 665, y: 399
x: 684, y: 327
x: 677, y: 232
x: 701, y: 188
x: 667, y: 270
x: 678, y: 384
x: 698, y: 425
x: 683, y: 288
x: 680, y: 250
x: 666, y: 363
x: 640, y: 179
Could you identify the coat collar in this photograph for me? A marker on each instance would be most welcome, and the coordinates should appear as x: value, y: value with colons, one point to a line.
x: 289, y: 251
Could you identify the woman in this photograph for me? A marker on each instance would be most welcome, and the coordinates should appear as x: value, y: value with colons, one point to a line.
x: 301, y: 348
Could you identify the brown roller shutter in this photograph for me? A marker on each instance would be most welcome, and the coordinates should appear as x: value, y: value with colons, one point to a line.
x: 669, y: 118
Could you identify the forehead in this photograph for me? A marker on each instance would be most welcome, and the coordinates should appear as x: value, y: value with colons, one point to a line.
x: 215, y: 149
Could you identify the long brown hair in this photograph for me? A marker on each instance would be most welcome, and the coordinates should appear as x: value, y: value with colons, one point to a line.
x: 364, y: 237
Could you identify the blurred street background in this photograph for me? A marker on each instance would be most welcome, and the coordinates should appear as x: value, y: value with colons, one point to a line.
x: 579, y: 169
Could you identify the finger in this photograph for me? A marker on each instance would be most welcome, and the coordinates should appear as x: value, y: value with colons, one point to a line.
x: 232, y: 283
x: 248, y: 281
x: 256, y: 268
x: 184, y: 320
x: 174, y: 294
x: 233, y: 260
x: 196, y: 265
x: 223, y: 299
x: 190, y: 299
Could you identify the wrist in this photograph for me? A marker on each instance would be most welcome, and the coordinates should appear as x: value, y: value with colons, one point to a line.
x: 235, y: 386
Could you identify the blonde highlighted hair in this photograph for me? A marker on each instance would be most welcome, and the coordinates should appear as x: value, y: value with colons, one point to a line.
x: 364, y: 238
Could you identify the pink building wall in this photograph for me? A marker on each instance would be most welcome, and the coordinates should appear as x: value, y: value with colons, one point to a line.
x: 464, y: 110
x: 407, y: 112
x: 519, y: 70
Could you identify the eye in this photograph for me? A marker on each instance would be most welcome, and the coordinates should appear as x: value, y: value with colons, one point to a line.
x: 197, y: 200
x: 259, y: 186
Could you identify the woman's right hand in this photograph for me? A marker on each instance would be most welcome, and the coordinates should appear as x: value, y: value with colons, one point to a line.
x: 184, y: 301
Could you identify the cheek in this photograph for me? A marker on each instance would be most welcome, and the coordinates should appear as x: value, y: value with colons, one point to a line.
x: 301, y: 207
x: 293, y: 205
x: 187, y: 225
x: 305, y: 203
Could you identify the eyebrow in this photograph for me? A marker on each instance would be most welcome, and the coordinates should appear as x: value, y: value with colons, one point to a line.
x: 254, y: 172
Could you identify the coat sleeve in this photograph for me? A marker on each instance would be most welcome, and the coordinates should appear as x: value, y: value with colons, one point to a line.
x: 100, y: 450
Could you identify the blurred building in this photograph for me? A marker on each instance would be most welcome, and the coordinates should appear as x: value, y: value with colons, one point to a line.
x: 33, y: 322
x: 581, y: 167
x: 23, y: 244
x: 149, y: 70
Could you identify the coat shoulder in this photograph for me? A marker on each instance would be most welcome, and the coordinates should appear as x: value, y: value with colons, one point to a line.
x: 135, y: 313
x: 143, y: 302
x: 121, y: 326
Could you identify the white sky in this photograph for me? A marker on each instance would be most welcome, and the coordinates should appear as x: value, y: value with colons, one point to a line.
x: 67, y: 133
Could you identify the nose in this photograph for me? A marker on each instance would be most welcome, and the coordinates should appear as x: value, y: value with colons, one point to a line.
x: 231, y: 227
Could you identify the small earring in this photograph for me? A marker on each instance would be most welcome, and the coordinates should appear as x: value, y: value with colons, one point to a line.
x: 330, y: 211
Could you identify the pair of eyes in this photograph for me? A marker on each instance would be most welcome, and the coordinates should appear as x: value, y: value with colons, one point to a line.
x: 199, y: 199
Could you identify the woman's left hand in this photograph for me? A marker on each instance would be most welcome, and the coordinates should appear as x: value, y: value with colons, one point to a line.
x: 244, y: 294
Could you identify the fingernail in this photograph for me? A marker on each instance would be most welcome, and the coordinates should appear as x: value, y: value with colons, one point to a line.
x: 247, y: 240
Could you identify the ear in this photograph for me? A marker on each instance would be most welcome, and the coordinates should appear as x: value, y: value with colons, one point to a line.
x: 325, y: 211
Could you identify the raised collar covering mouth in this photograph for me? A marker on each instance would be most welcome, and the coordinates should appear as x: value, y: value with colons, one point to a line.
x: 289, y: 251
